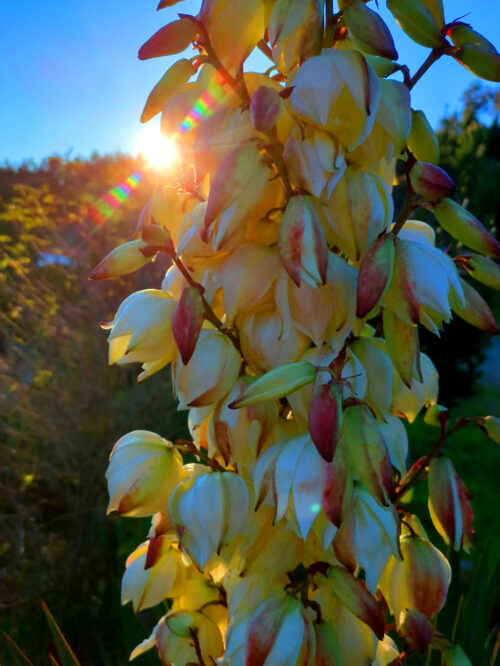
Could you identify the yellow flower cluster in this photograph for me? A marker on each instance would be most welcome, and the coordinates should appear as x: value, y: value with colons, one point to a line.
x: 290, y: 318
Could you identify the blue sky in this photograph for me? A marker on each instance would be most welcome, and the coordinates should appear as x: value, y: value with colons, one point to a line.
x: 70, y: 77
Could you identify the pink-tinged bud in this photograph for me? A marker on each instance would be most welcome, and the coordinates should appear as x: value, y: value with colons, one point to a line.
x: 417, y: 630
x: 155, y: 235
x: 325, y: 419
x: 143, y: 470
x: 367, y: 453
x: 491, y: 425
x: 375, y: 274
x: 265, y: 108
x: 352, y: 593
x: 431, y: 182
x: 449, y: 504
x: 302, y: 244
x: 368, y: 30
x: 124, y: 259
x: 463, y: 226
x: 419, y: 582
x: 186, y: 322
x: 482, y: 269
x: 403, y: 347
x: 279, y: 632
x: 172, y: 38
x: 476, y: 311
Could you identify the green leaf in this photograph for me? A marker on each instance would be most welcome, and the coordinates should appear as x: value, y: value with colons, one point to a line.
x: 65, y: 653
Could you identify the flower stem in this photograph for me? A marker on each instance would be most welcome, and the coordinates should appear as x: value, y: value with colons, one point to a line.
x: 433, y: 56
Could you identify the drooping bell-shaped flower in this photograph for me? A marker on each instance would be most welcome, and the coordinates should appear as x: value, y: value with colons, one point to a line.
x: 208, y: 510
x: 210, y: 373
x: 339, y: 92
x: 155, y: 570
x: 143, y: 470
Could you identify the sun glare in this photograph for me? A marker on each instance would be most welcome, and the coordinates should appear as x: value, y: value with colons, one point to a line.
x: 158, y: 151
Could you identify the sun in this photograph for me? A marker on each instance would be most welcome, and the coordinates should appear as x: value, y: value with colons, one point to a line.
x: 158, y: 151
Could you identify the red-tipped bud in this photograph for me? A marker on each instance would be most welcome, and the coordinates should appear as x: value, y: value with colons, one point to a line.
x: 325, y: 419
x: 375, y: 274
x: 431, y: 182
x: 449, y: 504
x: 417, y: 630
x: 353, y: 594
x: 265, y: 108
x: 186, y: 322
x: 463, y: 226
x: 482, y: 269
x: 482, y: 62
x: 172, y: 38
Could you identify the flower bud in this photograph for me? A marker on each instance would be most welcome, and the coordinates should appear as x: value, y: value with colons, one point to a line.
x: 143, y: 470
x: 431, y: 182
x: 492, y: 426
x: 463, y: 226
x: 175, y: 77
x: 417, y: 630
x: 476, y: 311
x: 210, y: 373
x: 368, y: 30
x: 302, y: 244
x: 402, y: 346
x: 375, y: 274
x: 482, y: 269
x: 416, y: 19
x: 449, y: 504
x: 462, y: 33
x: 265, y: 108
x: 419, y: 582
x: 352, y: 593
x: 155, y: 235
x: 280, y: 633
x: 339, y: 92
x: 277, y: 383
x: 187, y: 321
x: 124, y: 259
x: 422, y: 141
x: 172, y: 38
x: 325, y: 419
x: 435, y: 415
x: 208, y: 510
x: 155, y: 570
x: 480, y: 61
x: 382, y: 66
